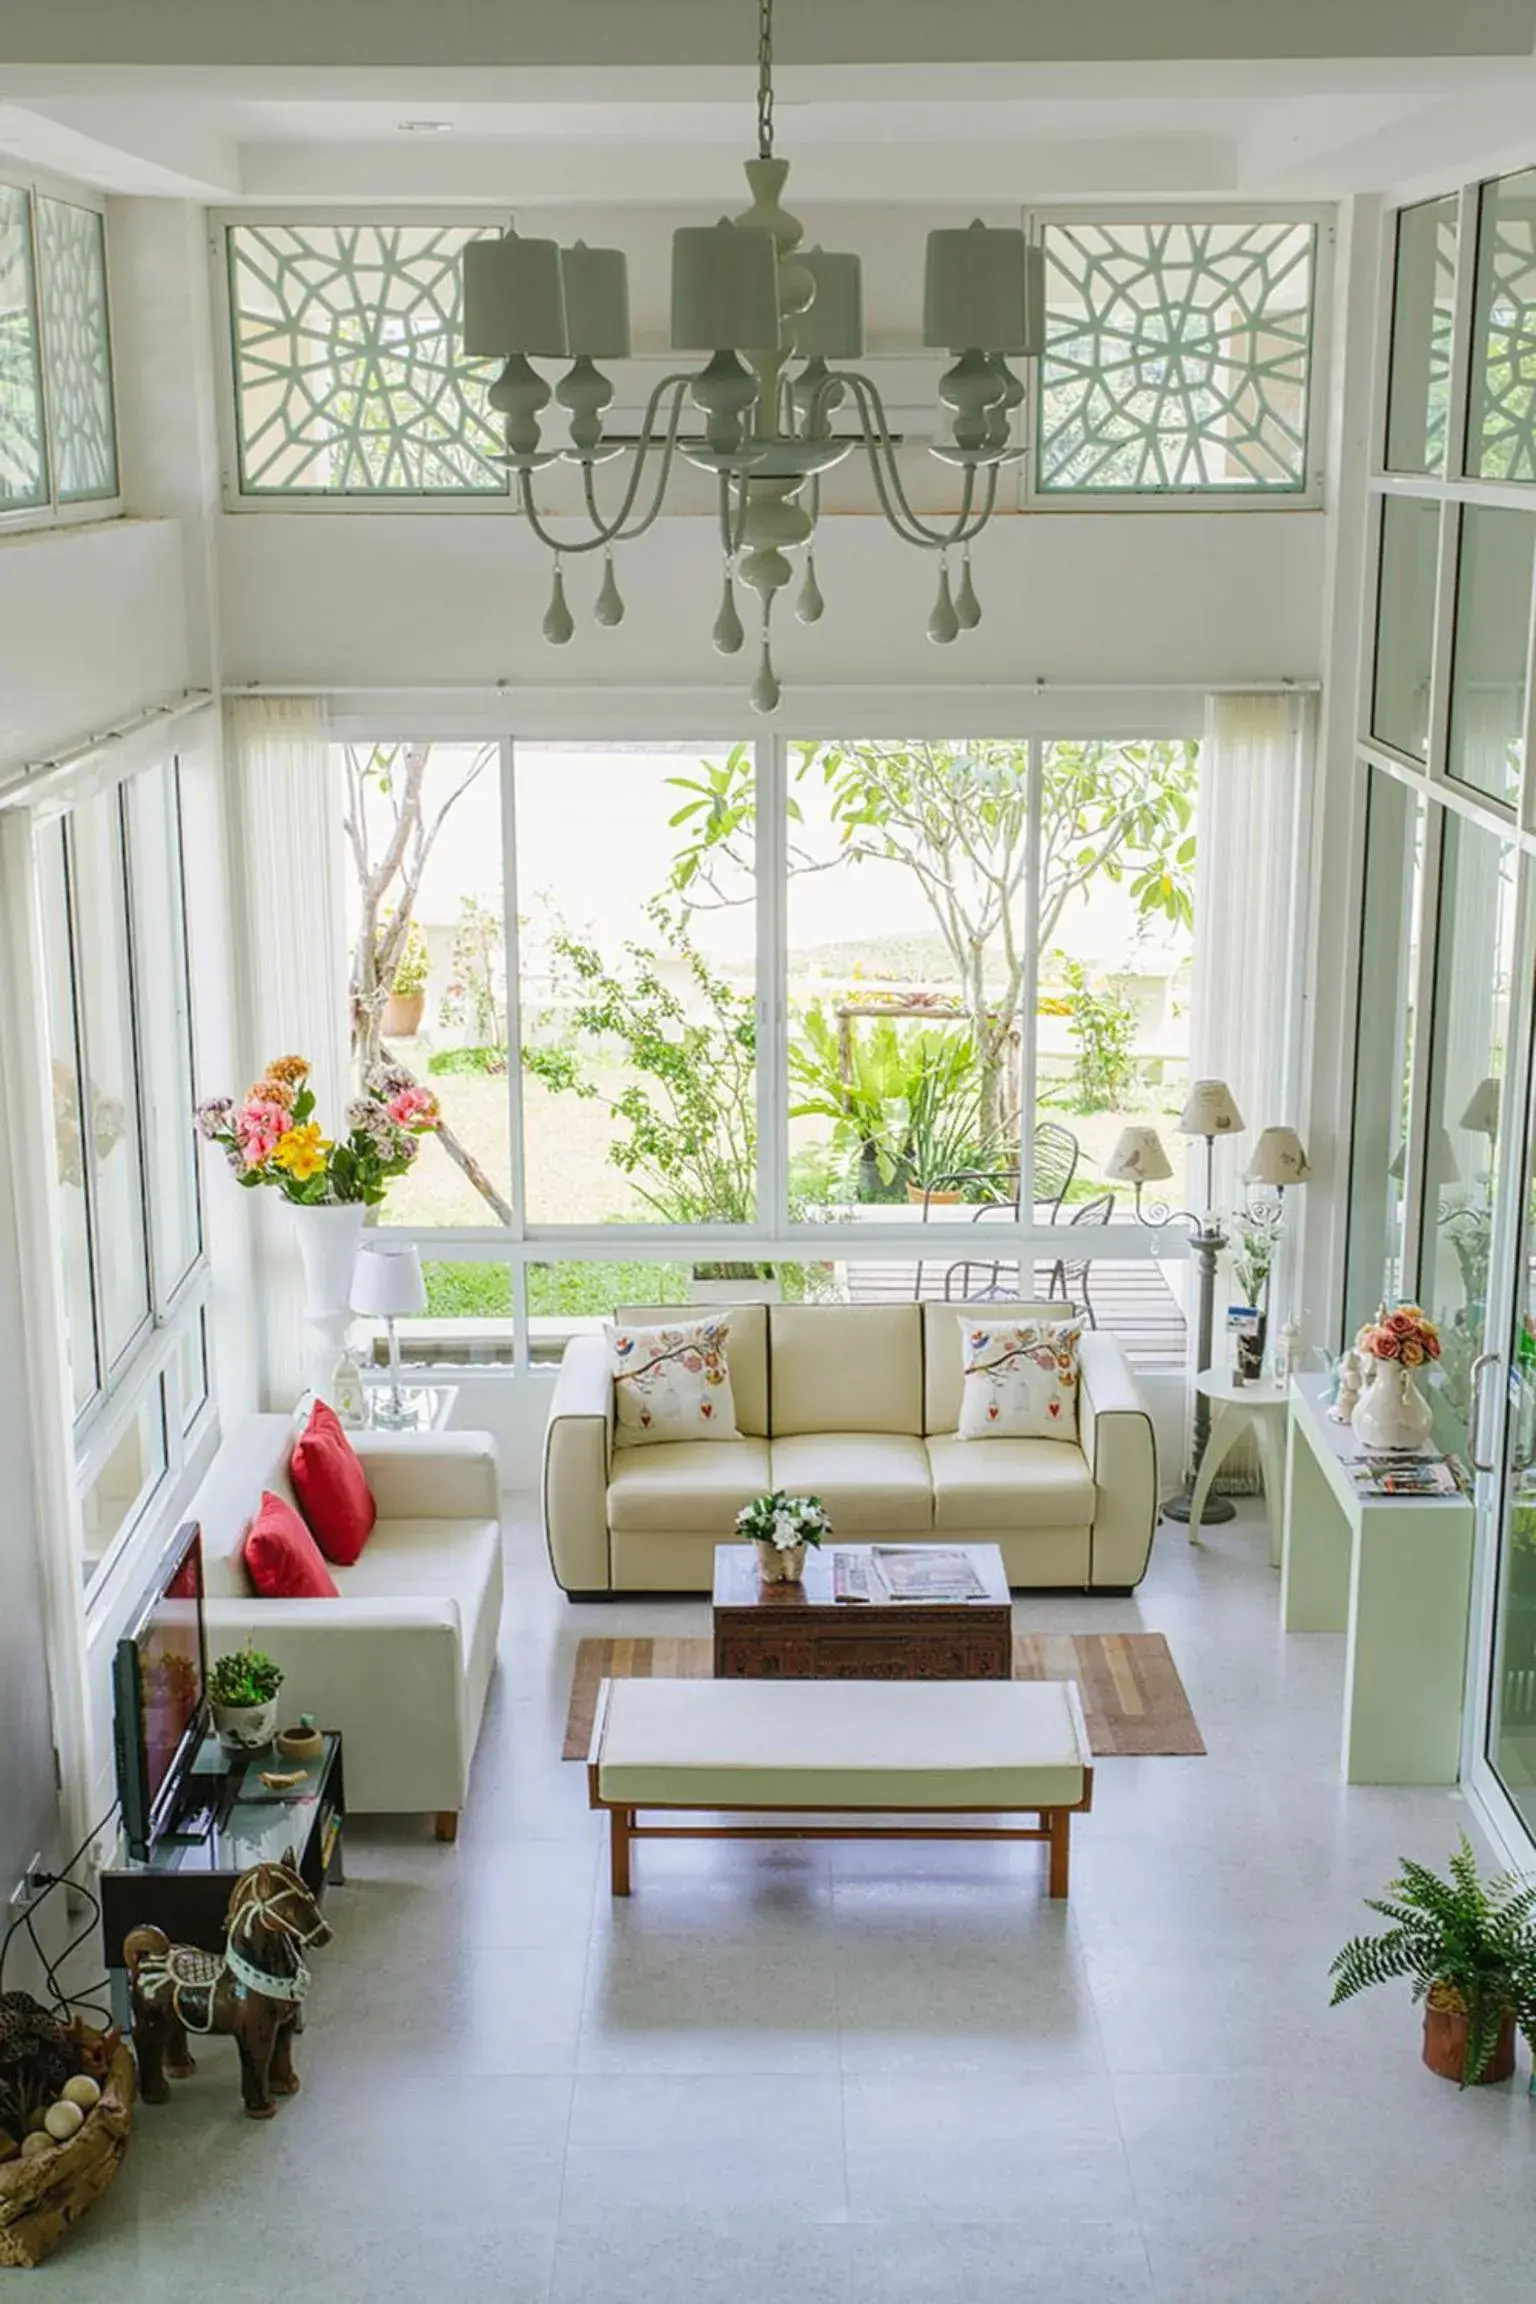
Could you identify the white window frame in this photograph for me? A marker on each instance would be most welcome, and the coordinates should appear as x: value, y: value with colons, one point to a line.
x: 36, y: 184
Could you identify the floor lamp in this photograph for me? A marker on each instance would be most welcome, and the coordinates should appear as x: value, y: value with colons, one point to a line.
x: 1210, y: 1110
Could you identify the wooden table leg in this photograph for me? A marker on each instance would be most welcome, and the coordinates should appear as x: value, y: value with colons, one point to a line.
x: 1060, y: 1823
x: 619, y: 1821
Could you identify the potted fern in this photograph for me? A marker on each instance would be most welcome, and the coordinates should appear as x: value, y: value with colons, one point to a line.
x: 1468, y: 1946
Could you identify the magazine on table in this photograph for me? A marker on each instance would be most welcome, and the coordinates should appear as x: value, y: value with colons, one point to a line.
x: 926, y: 1572
x: 1404, y: 1472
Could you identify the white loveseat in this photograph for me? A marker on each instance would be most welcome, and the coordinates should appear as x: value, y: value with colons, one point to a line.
x: 857, y: 1404
x: 402, y: 1662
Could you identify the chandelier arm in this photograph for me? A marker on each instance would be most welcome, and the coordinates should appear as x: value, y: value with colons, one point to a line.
x: 615, y: 531
x: 968, y: 522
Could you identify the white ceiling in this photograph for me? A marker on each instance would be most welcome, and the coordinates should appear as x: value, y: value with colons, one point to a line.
x: 976, y: 101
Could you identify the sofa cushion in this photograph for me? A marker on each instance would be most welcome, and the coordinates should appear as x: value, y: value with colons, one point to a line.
x: 426, y: 1560
x: 332, y: 1487
x: 746, y: 1351
x: 942, y: 1378
x: 1020, y: 1378
x: 283, y: 1557
x: 872, y: 1483
x: 671, y: 1383
x: 845, y: 1368
x: 1009, y: 1484
x: 677, y: 1486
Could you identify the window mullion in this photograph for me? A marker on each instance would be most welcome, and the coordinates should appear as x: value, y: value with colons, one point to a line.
x: 771, y: 881
x: 512, y: 962
x: 1029, y: 991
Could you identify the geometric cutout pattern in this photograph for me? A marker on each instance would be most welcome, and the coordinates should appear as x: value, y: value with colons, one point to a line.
x: 349, y: 376
x: 23, y: 459
x: 77, y: 341
x: 1178, y: 356
x: 1503, y: 430
x: 1442, y: 330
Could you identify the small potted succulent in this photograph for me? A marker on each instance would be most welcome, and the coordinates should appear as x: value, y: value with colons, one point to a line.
x: 781, y: 1527
x: 242, y: 1691
x: 1468, y: 1946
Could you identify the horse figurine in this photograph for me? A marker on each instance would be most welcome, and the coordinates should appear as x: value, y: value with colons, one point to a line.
x: 254, y: 1989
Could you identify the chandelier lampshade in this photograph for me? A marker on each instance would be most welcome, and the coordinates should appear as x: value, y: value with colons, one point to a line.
x: 832, y: 328
x: 513, y: 299
x: 725, y: 289
x: 595, y: 286
x: 983, y: 291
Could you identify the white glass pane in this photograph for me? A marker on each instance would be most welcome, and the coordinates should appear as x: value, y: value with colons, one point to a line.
x: 70, y: 1133
x: 1493, y: 617
x: 1423, y: 305
x: 1394, y: 865
x: 72, y: 257
x: 1178, y: 355
x: 1501, y: 428
x: 23, y: 463
x: 127, y: 1480
x: 1474, y: 966
x: 165, y: 1054
x: 638, y: 982
x: 192, y: 1371
x: 117, y: 1199
x: 350, y: 378
x: 1405, y: 624
x: 426, y: 934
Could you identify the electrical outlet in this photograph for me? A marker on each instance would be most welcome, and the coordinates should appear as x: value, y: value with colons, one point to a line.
x: 25, y: 1888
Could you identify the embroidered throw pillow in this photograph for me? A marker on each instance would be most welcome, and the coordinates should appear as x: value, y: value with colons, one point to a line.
x: 671, y: 1383
x: 1020, y: 1379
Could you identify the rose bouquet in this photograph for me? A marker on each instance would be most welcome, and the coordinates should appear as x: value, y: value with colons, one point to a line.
x: 1407, y: 1335
x: 272, y: 1136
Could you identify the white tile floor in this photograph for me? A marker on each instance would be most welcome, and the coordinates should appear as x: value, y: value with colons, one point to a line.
x: 865, y: 2075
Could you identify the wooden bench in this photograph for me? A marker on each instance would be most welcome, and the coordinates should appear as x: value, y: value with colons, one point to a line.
x: 840, y: 1749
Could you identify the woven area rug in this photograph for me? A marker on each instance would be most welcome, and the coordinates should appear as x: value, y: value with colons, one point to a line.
x: 1133, y: 1699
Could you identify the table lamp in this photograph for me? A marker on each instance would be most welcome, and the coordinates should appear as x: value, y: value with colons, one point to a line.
x: 387, y: 1282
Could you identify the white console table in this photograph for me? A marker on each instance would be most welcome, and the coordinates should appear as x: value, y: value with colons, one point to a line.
x: 1394, y: 1575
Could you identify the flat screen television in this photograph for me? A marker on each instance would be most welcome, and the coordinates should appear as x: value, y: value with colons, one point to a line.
x: 159, y: 1687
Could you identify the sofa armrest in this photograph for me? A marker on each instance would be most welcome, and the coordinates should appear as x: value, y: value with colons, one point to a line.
x: 388, y: 1673
x: 431, y: 1475
x: 1115, y: 1427
x: 577, y: 1445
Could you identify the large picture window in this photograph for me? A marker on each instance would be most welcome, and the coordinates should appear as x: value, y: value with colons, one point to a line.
x: 904, y: 1025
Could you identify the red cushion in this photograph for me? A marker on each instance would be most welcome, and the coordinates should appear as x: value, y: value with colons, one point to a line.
x: 332, y: 1487
x: 282, y: 1557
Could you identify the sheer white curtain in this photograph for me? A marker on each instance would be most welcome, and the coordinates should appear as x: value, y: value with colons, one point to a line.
x: 292, y: 895
x: 1249, y: 930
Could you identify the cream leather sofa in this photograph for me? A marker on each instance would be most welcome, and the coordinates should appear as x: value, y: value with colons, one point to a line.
x: 857, y: 1404
x: 402, y: 1662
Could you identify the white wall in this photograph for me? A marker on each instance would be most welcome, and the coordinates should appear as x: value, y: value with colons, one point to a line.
x: 93, y: 630
x: 364, y: 599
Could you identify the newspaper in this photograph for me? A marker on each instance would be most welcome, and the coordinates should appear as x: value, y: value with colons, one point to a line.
x: 926, y: 1572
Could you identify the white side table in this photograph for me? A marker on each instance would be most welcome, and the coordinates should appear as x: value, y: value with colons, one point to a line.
x: 429, y: 1407
x: 1261, y: 1408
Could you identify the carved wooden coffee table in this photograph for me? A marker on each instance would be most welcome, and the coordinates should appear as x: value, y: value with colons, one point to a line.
x: 800, y: 1632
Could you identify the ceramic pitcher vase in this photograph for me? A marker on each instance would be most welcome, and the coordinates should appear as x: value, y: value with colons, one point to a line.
x: 1391, y: 1412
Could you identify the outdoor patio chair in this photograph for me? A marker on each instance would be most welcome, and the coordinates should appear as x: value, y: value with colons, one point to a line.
x: 1002, y: 1198
x: 1070, y: 1274
x: 1056, y: 1156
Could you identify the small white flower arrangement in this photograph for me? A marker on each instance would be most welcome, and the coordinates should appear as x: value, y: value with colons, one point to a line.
x: 785, y: 1522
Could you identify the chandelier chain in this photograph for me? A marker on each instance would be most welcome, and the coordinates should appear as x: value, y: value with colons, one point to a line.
x: 765, y: 80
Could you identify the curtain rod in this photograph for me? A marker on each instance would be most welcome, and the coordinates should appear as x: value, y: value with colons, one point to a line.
x: 537, y: 691
x: 19, y: 782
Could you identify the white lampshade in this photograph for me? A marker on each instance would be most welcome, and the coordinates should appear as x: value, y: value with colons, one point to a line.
x: 1481, y: 1117
x: 832, y: 326
x: 513, y: 301
x: 983, y: 290
x: 725, y: 289
x: 387, y: 1279
x: 1446, y: 1170
x: 1210, y: 1109
x: 1279, y: 1157
x: 595, y: 284
x: 1138, y: 1158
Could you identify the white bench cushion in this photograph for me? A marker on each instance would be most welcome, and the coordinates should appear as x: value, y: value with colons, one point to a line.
x: 686, y: 1487
x: 861, y: 1744
x: 1009, y: 1484
x: 872, y: 1483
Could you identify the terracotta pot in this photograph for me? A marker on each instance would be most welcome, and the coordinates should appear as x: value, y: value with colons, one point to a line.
x: 1445, y: 2046
x: 776, y: 1566
x: 403, y: 1012
x: 917, y: 1194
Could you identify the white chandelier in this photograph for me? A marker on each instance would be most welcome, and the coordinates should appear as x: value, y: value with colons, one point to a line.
x: 746, y: 293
